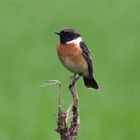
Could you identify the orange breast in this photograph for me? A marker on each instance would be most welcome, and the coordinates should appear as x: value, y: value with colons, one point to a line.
x: 72, y: 58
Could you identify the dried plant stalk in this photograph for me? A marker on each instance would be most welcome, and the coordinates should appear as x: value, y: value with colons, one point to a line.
x: 67, y: 132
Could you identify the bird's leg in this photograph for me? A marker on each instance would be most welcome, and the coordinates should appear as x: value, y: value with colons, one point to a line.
x: 74, y: 80
x: 72, y: 77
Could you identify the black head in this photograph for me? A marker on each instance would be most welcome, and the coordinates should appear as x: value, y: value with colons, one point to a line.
x: 67, y: 35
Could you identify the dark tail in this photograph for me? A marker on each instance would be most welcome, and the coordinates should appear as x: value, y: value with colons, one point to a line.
x: 90, y: 82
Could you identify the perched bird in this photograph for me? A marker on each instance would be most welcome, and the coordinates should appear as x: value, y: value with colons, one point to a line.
x: 75, y: 56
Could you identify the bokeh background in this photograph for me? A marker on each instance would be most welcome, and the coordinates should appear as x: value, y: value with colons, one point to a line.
x: 111, y: 29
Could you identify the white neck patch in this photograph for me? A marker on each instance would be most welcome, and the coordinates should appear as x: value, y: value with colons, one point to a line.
x: 77, y: 41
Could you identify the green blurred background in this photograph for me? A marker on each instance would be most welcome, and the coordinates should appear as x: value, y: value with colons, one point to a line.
x: 111, y: 29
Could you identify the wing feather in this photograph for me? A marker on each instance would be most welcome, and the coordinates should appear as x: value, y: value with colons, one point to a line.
x: 86, y: 54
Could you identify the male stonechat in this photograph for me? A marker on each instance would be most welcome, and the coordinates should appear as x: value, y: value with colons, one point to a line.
x: 75, y: 56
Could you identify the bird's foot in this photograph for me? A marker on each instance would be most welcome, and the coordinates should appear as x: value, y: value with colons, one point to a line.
x: 74, y: 80
x: 72, y: 77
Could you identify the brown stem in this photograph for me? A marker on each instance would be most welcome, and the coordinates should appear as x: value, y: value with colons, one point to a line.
x: 68, y: 133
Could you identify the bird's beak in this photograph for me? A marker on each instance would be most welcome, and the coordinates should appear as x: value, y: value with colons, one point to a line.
x: 57, y: 33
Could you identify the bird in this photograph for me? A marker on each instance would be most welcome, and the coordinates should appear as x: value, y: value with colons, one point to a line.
x: 75, y: 56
